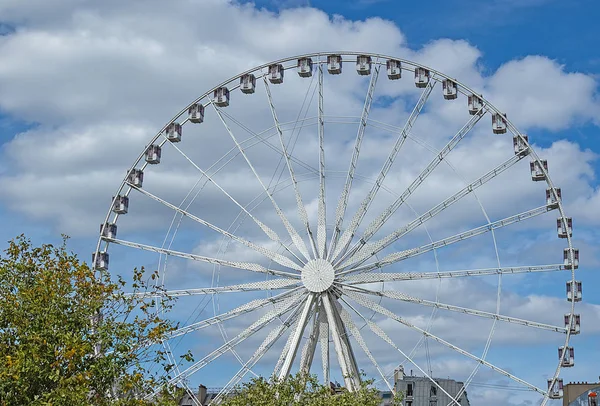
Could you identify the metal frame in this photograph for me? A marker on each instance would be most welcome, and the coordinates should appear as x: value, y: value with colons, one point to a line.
x: 326, y: 312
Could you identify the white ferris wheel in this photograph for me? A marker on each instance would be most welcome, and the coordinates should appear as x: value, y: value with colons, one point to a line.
x: 297, y: 255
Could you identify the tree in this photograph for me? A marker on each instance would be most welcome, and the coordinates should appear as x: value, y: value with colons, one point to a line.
x: 70, y: 336
x: 302, y: 390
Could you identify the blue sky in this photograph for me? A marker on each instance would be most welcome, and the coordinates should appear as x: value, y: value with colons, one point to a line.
x: 85, y: 86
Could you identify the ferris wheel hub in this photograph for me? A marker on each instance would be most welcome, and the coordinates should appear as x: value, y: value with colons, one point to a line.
x: 318, y: 275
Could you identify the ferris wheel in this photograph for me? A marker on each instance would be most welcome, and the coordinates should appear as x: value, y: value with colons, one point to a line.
x: 272, y: 225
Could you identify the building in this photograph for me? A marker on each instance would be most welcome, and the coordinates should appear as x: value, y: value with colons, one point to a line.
x: 581, y: 394
x: 204, y: 395
x: 420, y: 391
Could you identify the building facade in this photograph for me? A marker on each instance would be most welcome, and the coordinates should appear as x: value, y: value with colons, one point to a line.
x: 581, y: 394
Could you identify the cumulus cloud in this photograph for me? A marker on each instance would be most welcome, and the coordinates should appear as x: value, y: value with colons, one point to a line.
x: 94, y: 81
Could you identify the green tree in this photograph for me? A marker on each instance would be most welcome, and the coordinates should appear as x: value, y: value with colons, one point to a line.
x: 70, y: 336
x: 302, y: 390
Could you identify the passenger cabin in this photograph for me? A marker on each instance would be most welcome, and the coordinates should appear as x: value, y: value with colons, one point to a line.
x: 305, y: 66
x: 573, y: 323
x: 174, y: 132
x: 248, y: 83
x: 108, y: 230
x: 394, y: 69
x: 520, y: 145
x: 100, y: 261
x: 120, y: 204
x: 475, y: 104
x: 564, y: 228
x: 334, y: 64
x: 135, y: 177
x: 551, y: 198
x: 450, y: 89
x: 363, y: 64
x: 571, y: 258
x: 421, y: 77
x: 576, y: 293
x: 537, y: 174
x: 555, y: 391
x: 275, y: 75
x: 499, y: 123
x: 221, y: 97
x: 153, y: 154
x: 196, y: 113
x: 593, y: 399
x: 566, y: 356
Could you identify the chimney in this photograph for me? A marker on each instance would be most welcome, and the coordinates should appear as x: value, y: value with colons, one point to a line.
x: 202, y: 394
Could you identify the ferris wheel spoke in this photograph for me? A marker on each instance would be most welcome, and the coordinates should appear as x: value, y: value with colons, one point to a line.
x: 279, y: 309
x: 308, y: 351
x: 296, y: 337
x: 362, y: 210
x: 378, y: 331
x: 286, y: 155
x: 296, y: 239
x: 382, y: 219
x: 370, y: 249
x: 347, y: 320
x: 343, y: 359
x: 363, y: 301
x: 343, y: 201
x: 321, y: 210
x: 266, y: 142
x: 272, y: 337
x: 346, y: 346
x: 411, y: 299
x: 324, y: 342
x: 278, y: 258
x: 402, y: 255
x: 251, y: 306
x: 267, y: 230
x: 407, y: 276
x: 247, y: 266
x: 285, y: 350
x: 273, y: 284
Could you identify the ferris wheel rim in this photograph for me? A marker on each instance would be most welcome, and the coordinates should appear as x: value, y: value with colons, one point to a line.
x: 438, y: 76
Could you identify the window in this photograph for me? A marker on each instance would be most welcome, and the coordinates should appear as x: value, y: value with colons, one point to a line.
x: 408, y: 403
x: 409, y: 389
x: 432, y: 402
x: 433, y: 391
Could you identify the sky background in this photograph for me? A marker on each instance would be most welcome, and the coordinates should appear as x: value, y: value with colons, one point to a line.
x: 85, y: 85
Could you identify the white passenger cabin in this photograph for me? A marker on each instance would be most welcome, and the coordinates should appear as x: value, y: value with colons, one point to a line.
x: 108, y: 230
x: 153, y: 154
x: 564, y: 229
x: 135, y: 177
x: 573, y: 323
x: 174, y: 132
x: 196, y: 113
x: 248, y: 83
x: 498, y: 123
x: 520, y: 145
x: 571, y: 258
x: 100, y: 261
x: 394, y: 69
x: 121, y: 204
x: 593, y: 399
x: 450, y: 89
x: 334, y: 64
x: 574, y: 294
x: 421, y: 77
x: 363, y: 64
x: 566, y: 356
x: 275, y: 75
x: 475, y: 104
x: 305, y: 66
x: 551, y: 199
x: 555, y: 391
x: 537, y: 174
x: 221, y: 97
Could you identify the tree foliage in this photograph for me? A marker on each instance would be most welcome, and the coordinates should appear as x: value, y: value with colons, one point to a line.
x: 302, y: 390
x: 70, y: 336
